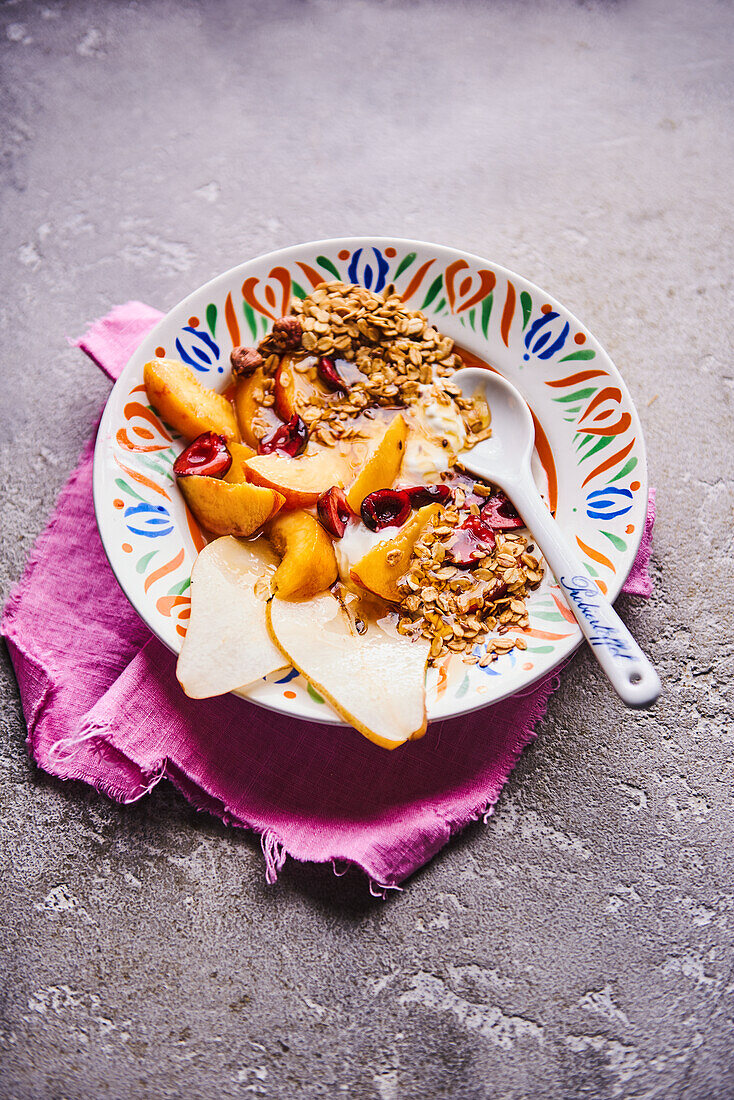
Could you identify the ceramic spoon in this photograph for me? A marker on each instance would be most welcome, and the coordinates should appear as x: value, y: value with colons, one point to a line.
x: 504, y: 460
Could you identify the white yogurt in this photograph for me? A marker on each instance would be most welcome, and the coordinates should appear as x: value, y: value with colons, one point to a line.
x: 357, y: 541
x: 437, y: 435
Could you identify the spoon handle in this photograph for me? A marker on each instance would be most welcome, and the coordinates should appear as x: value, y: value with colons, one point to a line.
x: 630, y: 672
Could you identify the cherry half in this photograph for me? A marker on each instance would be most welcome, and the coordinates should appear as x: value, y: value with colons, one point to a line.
x: 385, y: 508
x: 499, y: 513
x: 207, y: 456
x: 290, y: 438
x: 334, y: 511
x: 419, y: 495
x: 329, y: 375
x: 472, y: 541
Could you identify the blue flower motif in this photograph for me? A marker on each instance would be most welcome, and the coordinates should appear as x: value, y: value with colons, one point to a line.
x: 541, y: 336
x: 198, y: 349
x: 290, y: 675
x: 363, y: 274
x: 608, y: 503
x: 154, y: 520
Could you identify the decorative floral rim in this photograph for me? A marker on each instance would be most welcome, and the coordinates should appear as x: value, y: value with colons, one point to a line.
x: 589, y: 443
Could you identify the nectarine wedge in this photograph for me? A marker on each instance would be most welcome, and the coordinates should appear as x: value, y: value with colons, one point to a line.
x: 237, y: 472
x: 300, y: 480
x: 227, y: 644
x: 254, y: 419
x: 382, y: 464
x: 226, y: 509
x: 308, y: 564
x: 351, y: 652
x: 294, y: 390
x: 373, y: 571
x: 179, y: 398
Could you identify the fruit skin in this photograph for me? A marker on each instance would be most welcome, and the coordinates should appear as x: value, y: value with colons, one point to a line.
x: 383, y: 464
x: 300, y: 480
x: 294, y: 390
x: 240, y: 453
x: 227, y: 509
x: 374, y: 679
x: 427, y: 494
x: 385, y: 508
x: 330, y: 376
x: 308, y: 564
x: 500, y: 514
x: 334, y: 511
x: 373, y: 572
x: 179, y: 398
x: 290, y: 438
x: 472, y: 541
x: 207, y: 455
x: 250, y: 413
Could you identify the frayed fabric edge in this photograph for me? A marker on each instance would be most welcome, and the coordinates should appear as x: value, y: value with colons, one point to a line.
x: 98, y: 329
x: 274, y: 848
x: 274, y: 851
x: 18, y: 590
x: 484, y: 810
x: 57, y: 762
x: 99, y: 738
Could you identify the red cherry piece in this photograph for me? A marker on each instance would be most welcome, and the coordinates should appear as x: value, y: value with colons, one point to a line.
x: 420, y: 495
x: 385, y: 508
x: 207, y: 456
x: 472, y: 541
x: 499, y: 513
x: 290, y: 438
x: 329, y: 375
x: 333, y: 511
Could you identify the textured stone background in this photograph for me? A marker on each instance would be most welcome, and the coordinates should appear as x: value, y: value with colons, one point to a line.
x: 579, y: 944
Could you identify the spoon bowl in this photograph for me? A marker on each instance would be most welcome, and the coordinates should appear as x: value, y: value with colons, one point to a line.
x: 510, y: 446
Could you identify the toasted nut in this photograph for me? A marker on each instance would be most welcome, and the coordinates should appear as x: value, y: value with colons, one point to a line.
x: 245, y: 361
x: 288, y: 332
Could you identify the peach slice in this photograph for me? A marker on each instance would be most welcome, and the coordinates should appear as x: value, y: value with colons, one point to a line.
x: 308, y: 563
x: 178, y: 396
x: 237, y: 472
x: 227, y: 644
x: 293, y: 390
x: 227, y: 509
x: 253, y: 418
x: 382, y: 465
x: 351, y: 652
x: 373, y: 571
x: 300, y: 480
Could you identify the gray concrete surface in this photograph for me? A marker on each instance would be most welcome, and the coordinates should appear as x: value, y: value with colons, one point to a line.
x: 579, y: 944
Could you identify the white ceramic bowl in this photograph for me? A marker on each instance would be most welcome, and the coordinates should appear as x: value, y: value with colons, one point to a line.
x: 590, y: 450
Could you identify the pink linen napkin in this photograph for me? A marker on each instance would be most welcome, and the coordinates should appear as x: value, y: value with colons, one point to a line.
x: 103, y: 705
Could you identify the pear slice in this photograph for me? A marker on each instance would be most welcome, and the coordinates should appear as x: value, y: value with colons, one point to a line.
x: 350, y: 650
x: 227, y: 644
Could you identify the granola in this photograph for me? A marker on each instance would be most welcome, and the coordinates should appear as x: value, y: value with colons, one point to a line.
x: 361, y: 353
x: 397, y: 356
